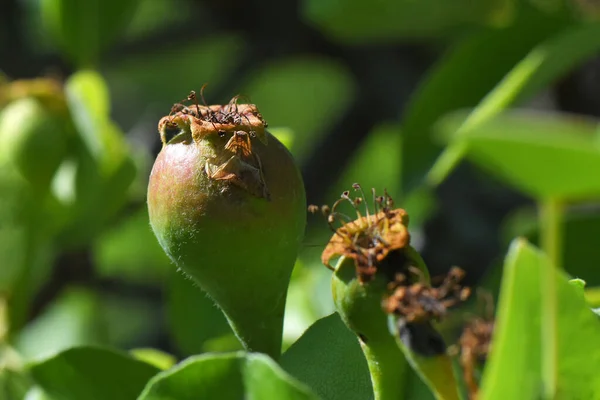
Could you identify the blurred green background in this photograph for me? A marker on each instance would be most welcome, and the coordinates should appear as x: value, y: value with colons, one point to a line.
x: 353, y: 88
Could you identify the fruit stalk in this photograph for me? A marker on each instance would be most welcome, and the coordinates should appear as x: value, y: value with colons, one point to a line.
x: 360, y: 309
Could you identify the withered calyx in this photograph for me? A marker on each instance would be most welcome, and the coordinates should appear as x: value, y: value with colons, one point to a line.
x: 225, y: 133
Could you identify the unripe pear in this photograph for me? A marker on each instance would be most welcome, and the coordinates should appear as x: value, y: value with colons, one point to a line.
x: 227, y: 204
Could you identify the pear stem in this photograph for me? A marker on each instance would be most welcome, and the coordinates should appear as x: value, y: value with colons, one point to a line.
x: 387, y: 367
x: 551, y: 214
x: 262, y: 335
x: 4, y: 319
x: 359, y: 306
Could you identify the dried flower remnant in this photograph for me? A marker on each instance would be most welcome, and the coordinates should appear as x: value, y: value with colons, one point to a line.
x: 475, y: 345
x: 419, y: 302
x: 474, y: 348
x: 369, y: 238
x: 375, y: 250
x: 233, y: 126
x: 231, y: 113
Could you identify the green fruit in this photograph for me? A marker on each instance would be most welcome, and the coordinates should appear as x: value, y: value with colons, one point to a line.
x: 34, y: 139
x: 227, y: 204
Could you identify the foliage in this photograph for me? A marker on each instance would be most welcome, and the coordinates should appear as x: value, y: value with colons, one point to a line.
x: 92, y: 308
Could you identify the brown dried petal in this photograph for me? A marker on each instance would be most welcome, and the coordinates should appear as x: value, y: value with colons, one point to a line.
x: 384, y: 232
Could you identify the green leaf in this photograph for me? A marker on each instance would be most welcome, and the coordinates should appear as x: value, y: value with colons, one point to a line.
x: 376, y: 164
x: 75, y: 318
x: 151, y: 16
x: 89, y: 373
x: 155, y: 357
x: 84, y: 29
x: 88, y: 88
x: 514, y: 366
x: 35, y: 137
x: 579, y: 284
x: 417, y: 389
x: 451, y: 84
x: 308, y: 298
x: 130, y: 251
x: 544, y: 64
x: 38, y: 265
x: 360, y: 21
x: 592, y: 296
x: 13, y: 384
x: 36, y: 393
x: 196, y: 324
x: 328, y: 358
x: 581, y: 227
x: 225, y: 376
x: 88, y: 100
x: 284, y: 134
x: 127, y: 317
x: 321, y: 89
x: 150, y: 76
x: 544, y: 155
x: 97, y: 180
x: 17, y: 220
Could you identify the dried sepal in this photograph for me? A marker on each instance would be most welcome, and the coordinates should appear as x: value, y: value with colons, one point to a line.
x: 368, y: 239
x: 234, y: 125
x: 418, y: 302
x: 313, y: 209
x: 474, y: 345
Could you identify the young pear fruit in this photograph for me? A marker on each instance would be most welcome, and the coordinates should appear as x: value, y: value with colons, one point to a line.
x: 227, y: 204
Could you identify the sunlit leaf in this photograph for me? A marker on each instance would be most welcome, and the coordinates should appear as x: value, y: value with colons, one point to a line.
x: 328, y: 358
x: 92, y: 374
x: 84, y: 29
x: 376, y: 164
x: 97, y: 179
x: 544, y: 64
x: 514, y: 366
x: 196, y: 324
x: 581, y: 227
x: 159, y: 359
x: 35, y: 138
x: 36, y: 393
x: 579, y: 284
x: 541, y: 154
x: 17, y: 204
x: 321, y: 89
x: 75, y: 318
x: 284, y: 135
x: 13, y: 384
x: 150, y: 77
x: 230, y: 376
x: 452, y: 84
x: 130, y: 251
x: 88, y: 100
x: 388, y: 19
